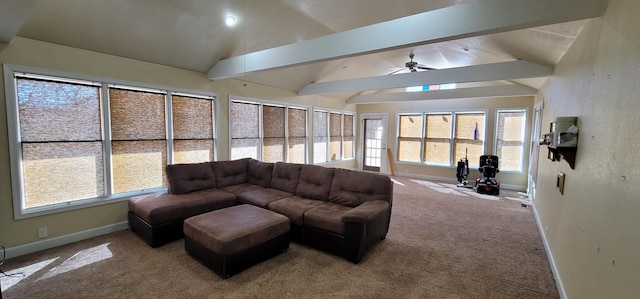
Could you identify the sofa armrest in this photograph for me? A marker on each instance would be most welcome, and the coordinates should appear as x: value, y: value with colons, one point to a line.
x: 366, y: 212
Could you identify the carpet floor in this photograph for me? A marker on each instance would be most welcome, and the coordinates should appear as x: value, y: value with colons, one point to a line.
x: 443, y: 242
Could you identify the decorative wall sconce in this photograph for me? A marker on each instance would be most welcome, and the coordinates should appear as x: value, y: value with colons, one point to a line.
x: 562, y: 140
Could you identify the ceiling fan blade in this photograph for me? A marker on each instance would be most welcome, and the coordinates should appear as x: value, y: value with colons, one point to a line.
x: 424, y: 67
x: 400, y: 70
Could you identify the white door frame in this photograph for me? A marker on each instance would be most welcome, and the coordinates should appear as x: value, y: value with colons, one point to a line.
x: 385, y: 125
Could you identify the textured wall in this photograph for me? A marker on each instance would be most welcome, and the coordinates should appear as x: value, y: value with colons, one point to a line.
x: 593, y: 230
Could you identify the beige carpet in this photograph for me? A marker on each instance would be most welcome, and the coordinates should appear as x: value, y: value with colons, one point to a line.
x: 444, y: 242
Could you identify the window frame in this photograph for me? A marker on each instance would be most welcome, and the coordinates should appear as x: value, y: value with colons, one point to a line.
x: 523, y: 147
x: 261, y: 103
x: 13, y: 72
x: 452, y: 135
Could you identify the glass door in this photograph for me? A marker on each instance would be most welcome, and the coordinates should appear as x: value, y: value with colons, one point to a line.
x: 374, y: 145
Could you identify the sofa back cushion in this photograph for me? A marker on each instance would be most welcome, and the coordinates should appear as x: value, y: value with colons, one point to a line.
x: 259, y: 173
x: 229, y: 173
x: 285, y: 176
x: 184, y: 178
x: 315, y: 182
x: 351, y: 188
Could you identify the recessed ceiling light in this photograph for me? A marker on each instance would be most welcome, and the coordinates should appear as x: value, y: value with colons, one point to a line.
x: 230, y: 20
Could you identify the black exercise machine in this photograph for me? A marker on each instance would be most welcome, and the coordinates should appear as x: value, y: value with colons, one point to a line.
x: 488, y: 184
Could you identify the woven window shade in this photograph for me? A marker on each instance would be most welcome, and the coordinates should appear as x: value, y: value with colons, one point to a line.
x: 297, y: 135
x: 192, y: 151
x: 273, y: 121
x: 464, y: 142
x: 58, y: 111
x: 274, y: 137
x: 409, y: 139
x: 244, y: 120
x: 192, y: 129
x: 347, y: 151
x: 137, y: 115
x: 245, y: 130
x: 335, y: 139
x: 61, y: 141
x: 61, y: 172
x: 192, y: 118
x: 297, y: 122
x: 437, y: 146
x: 297, y: 150
x: 335, y: 125
x: 138, y: 165
x: 139, y: 147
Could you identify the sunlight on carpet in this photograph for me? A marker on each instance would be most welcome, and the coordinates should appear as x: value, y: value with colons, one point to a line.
x: 80, y: 259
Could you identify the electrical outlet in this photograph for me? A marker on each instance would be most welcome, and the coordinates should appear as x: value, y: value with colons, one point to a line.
x: 42, y: 232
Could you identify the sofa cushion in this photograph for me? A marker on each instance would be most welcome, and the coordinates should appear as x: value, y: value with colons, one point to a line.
x: 259, y: 173
x: 327, y: 217
x: 184, y: 178
x: 230, y: 172
x: 314, y: 182
x: 262, y: 197
x: 160, y: 208
x: 285, y: 176
x: 351, y: 188
x: 294, y: 207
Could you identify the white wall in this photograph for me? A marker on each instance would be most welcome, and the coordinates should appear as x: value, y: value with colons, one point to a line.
x: 593, y: 230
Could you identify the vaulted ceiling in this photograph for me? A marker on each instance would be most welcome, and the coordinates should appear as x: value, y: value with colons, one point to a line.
x: 313, y: 46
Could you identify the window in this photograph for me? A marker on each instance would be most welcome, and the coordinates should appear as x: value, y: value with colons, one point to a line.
x: 469, y: 137
x: 139, y: 145
x: 193, y: 129
x: 76, y: 143
x: 297, y: 139
x: 268, y: 132
x: 441, y: 138
x: 437, y: 143
x: 332, y: 136
x: 320, y: 136
x: 61, y: 141
x: 273, y: 120
x: 245, y: 130
x: 348, y: 137
x: 409, y: 135
x: 510, y: 129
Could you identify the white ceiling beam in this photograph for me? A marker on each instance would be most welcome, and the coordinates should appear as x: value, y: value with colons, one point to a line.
x: 519, y: 69
x: 476, y: 18
x: 461, y: 93
x: 13, y: 13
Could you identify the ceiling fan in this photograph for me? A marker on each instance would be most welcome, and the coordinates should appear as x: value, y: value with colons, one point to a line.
x: 413, y: 66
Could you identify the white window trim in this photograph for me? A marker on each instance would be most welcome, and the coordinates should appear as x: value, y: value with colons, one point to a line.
x: 15, y: 154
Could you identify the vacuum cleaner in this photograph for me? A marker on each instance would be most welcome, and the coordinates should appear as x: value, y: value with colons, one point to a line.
x: 462, y: 172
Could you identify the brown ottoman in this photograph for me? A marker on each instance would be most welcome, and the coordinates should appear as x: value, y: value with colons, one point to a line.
x: 232, y: 239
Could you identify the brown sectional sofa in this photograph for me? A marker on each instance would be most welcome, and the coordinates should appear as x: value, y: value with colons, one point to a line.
x: 338, y: 210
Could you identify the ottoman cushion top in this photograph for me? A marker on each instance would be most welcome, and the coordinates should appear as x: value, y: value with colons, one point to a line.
x: 230, y: 230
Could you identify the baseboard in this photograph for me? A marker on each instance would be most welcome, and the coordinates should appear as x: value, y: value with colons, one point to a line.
x: 66, y: 239
x: 552, y: 262
x: 455, y: 181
